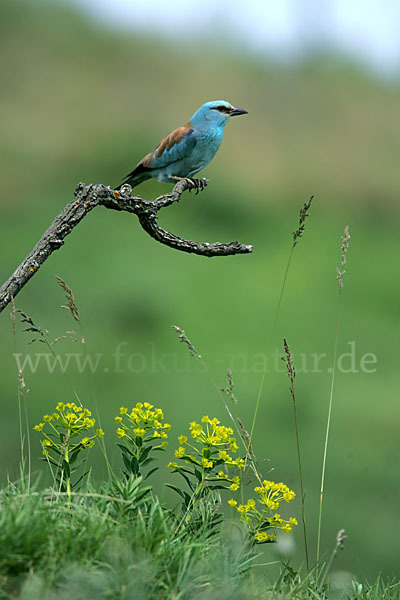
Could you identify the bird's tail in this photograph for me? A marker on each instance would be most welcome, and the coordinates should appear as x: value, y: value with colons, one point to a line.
x: 139, y: 174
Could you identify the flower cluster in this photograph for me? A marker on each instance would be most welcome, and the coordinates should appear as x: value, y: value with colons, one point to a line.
x: 61, y: 447
x: 144, y: 421
x: 141, y: 430
x: 261, y: 520
x: 70, y: 421
x: 206, y: 454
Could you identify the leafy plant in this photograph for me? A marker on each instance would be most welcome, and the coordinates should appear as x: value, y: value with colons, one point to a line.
x: 60, y: 443
x: 141, y: 431
x: 206, y: 461
x: 259, y: 515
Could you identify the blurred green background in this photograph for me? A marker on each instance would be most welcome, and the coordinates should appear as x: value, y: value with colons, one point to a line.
x: 83, y: 102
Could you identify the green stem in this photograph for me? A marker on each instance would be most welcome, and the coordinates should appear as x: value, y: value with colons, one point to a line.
x: 303, y: 516
x: 328, y: 424
x: 278, y: 308
x: 67, y: 477
x: 20, y: 396
x: 186, y: 517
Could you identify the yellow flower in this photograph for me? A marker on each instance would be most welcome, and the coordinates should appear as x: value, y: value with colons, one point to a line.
x: 123, y: 410
x: 234, y: 446
x: 99, y: 433
x: 71, y: 417
x: 60, y: 406
x: 47, y: 418
x: 276, y: 520
x: 288, y: 495
x: 46, y: 443
x: 196, y: 430
x: 135, y: 417
x: 167, y: 426
x: 222, y: 475
x: 234, y: 487
x: 207, y: 464
x: 118, y: 419
x: 139, y: 432
x: 232, y: 502
x: 120, y: 432
x: 261, y: 536
x: 182, y: 439
x: 172, y: 465
x: 39, y: 427
x: 180, y: 452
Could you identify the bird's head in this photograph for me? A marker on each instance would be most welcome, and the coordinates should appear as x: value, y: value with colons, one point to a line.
x: 216, y: 113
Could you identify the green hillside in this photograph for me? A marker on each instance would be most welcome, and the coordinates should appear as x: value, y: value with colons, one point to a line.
x: 83, y: 103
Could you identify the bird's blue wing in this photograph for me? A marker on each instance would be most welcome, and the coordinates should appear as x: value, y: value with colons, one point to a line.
x: 176, y: 146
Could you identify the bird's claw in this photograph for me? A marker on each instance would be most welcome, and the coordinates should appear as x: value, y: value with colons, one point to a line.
x: 196, y: 184
x: 192, y: 183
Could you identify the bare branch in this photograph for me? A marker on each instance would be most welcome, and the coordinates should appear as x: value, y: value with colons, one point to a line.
x: 87, y: 197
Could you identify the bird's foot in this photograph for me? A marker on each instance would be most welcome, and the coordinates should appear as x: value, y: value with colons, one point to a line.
x: 193, y: 183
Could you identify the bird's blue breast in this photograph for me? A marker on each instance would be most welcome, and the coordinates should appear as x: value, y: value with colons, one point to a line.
x: 207, y: 144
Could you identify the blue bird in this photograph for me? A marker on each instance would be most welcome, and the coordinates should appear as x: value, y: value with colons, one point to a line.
x: 188, y: 149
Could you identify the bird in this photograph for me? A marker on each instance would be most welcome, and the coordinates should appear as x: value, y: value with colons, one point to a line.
x: 187, y: 149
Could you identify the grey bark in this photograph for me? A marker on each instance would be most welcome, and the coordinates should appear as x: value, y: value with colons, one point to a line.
x: 87, y: 197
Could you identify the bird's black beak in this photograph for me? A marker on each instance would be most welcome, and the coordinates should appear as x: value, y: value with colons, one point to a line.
x: 237, y: 111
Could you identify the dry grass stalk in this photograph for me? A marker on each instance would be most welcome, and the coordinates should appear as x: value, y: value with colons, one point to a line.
x: 32, y: 327
x: 345, y: 246
x: 302, y: 221
x: 229, y: 388
x: 185, y: 340
x: 247, y: 441
x: 291, y: 371
x: 70, y: 305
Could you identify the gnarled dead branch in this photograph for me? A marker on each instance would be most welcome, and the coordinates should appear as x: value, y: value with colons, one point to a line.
x: 86, y: 198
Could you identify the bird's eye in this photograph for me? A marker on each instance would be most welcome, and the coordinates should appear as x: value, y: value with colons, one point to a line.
x: 224, y: 109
